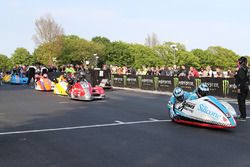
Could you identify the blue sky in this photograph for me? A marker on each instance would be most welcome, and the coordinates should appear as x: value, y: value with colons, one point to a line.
x: 195, y: 23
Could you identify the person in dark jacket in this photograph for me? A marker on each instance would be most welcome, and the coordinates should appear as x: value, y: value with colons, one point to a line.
x: 31, y: 73
x: 242, y: 80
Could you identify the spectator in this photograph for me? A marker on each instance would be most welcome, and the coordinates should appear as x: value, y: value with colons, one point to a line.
x: 163, y: 71
x: 219, y: 72
x: 183, y: 72
x: 193, y: 72
x: 170, y: 72
x: 209, y: 72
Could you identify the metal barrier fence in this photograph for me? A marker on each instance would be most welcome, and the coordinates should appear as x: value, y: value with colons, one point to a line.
x: 222, y: 87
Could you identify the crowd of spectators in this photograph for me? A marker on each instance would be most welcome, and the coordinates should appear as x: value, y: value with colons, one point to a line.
x: 176, y: 71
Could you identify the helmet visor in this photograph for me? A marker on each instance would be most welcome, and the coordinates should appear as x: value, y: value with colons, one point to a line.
x: 180, y: 98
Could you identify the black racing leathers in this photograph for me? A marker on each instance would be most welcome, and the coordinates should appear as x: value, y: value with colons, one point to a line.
x: 242, y: 81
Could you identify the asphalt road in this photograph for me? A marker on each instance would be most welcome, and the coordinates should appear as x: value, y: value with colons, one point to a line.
x: 127, y: 129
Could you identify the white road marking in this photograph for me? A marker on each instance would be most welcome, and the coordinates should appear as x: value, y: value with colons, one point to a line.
x: 63, y: 102
x: 119, y: 122
x: 152, y: 119
x: 80, y: 127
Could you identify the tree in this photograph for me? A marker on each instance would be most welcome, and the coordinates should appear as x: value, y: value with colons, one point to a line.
x: 76, y: 49
x: 187, y: 58
x: 118, y: 54
x: 47, y: 30
x: 179, y: 46
x: 165, y: 53
x: 101, y: 40
x: 47, y: 51
x: 225, y: 58
x: 144, y: 56
x: 205, y: 57
x: 152, y: 40
x: 5, y: 62
x: 21, y: 57
x: 105, y: 42
x: 49, y: 37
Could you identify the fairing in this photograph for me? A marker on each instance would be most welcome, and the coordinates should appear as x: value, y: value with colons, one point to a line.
x: 206, y: 111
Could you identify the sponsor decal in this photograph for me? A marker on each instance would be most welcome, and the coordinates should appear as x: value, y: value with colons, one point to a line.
x: 131, y: 79
x: 213, y: 84
x: 169, y: 82
x: 204, y: 108
x: 176, y: 81
x: 232, y: 86
x: 189, y: 106
x: 186, y: 83
x: 156, y: 81
x: 197, y: 82
x: 147, y: 81
x: 225, y: 87
x: 118, y: 79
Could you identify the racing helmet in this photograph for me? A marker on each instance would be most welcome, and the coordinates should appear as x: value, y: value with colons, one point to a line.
x: 38, y: 71
x: 203, y: 89
x: 179, y: 94
x: 45, y: 75
x: 82, y: 74
x: 70, y: 80
x: 242, y: 60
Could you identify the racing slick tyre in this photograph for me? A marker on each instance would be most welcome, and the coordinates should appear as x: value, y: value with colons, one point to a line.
x: 171, y: 115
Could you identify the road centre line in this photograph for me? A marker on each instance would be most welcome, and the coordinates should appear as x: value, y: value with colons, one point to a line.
x: 63, y: 102
x: 152, y: 119
x: 81, y: 127
x: 117, y: 123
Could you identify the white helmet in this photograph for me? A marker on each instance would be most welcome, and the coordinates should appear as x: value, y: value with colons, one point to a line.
x: 45, y: 75
x: 179, y: 94
x: 203, y: 89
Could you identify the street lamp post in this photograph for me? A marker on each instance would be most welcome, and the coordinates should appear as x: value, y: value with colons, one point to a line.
x: 96, y: 59
x: 174, y: 47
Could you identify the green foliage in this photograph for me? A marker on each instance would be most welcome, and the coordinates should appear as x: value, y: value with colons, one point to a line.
x: 187, y: 58
x: 216, y: 56
x: 101, y: 40
x: 5, y: 62
x: 21, y: 57
x: 179, y: 46
x: 105, y: 43
x: 79, y: 50
x: 118, y: 53
x: 144, y: 56
x: 45, y: 53
x: 165, y: 53
x: 223, y: 58
x: 73, y: 49
x: 205, y: 57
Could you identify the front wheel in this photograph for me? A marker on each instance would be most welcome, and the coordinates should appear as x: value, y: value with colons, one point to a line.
x: 171, y: 114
